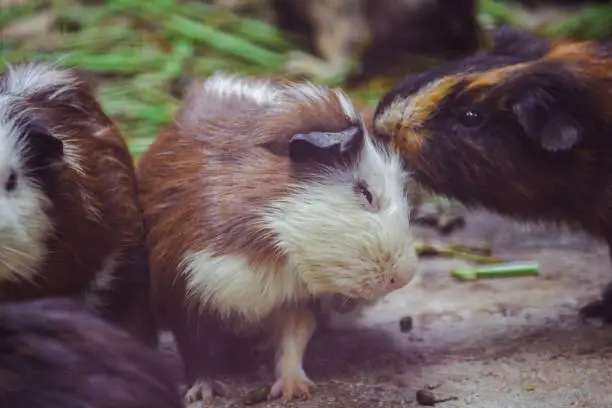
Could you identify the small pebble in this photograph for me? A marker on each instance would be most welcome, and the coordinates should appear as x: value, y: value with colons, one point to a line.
x: 256, y: 396
x: 426, y: 398
x: 405, y: 324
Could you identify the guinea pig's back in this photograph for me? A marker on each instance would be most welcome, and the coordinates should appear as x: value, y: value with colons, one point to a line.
x: 204, y: 181
x: 54, y: 354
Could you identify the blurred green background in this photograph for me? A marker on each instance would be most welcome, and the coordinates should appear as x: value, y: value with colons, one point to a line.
x: 140, y: 51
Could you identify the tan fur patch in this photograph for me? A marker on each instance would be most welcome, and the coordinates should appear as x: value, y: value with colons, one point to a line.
x: 492, y: 77
x: 403, y: 118
x: 408, y: 141
x: 564, y: 50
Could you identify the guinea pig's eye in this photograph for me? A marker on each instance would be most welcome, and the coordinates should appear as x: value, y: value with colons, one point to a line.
x: 470, y: 118
x: 11, y: 182
x: 362, y: 189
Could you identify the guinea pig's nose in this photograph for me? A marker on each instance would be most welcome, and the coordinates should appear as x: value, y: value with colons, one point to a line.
x: 395, y: 283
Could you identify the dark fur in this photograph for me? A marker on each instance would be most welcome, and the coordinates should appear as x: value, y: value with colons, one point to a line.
x: 543, y: 149
x: 53, y: 354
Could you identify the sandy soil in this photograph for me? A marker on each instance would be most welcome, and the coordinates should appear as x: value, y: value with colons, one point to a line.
x: 503, y: 343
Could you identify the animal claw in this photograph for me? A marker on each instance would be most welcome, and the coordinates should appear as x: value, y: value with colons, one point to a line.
x: 291, y: 387
x: 200, y: 390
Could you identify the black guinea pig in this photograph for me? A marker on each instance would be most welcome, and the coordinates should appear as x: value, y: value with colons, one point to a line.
x: 54, y: 354
x: 523, y: 129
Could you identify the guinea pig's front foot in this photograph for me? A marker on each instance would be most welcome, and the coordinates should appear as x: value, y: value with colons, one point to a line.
x: 600, y: 308
x: 291, y: 386
x: 201, y: 390
x: 296, y: 329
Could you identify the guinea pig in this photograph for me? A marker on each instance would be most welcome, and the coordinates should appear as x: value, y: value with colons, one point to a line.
x: 56, y: 354
x: 364, y: 36
x: 260, y: 197
x: 523, y: 129
x: 69, y: 217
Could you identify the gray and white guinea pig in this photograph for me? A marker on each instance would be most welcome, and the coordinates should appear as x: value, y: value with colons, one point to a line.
x: 56, y: 354
x: 260, y: 197
x: 69, y: 217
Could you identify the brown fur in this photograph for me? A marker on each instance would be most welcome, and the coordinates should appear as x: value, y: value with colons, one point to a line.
x: 94, y: 214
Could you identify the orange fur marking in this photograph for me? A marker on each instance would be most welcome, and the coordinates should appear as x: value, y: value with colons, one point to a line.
x: 494, y: 76
x: 574, y: 51
x: 402, y: 119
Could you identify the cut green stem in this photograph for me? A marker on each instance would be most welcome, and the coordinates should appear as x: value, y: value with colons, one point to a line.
x: 500, y: 270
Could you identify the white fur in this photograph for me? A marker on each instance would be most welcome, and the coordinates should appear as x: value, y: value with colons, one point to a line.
x: 30, y: 79
x: 225, y: 85
x: 265, y: 289
x: 23, y: 219
x: 103, y: 280
x: 332, y: 243
x: 264, y: 92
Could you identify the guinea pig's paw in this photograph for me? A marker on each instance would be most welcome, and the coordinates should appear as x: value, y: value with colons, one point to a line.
x: 598, y: 312
x: 292, y: 385
x: 201, y: 390
x: 592, y: 310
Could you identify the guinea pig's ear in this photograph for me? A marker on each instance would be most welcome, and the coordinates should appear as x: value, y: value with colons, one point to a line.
x: 42, y: 145
x: 325, y: 147
x: 546, y: 121
x: 511, y: 41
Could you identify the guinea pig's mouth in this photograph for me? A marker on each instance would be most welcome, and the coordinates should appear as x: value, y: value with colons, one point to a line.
x: 344, y: 304
x: 361, y: 294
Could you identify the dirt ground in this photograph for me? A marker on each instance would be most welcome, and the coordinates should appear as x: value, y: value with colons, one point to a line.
x: 502, y: 343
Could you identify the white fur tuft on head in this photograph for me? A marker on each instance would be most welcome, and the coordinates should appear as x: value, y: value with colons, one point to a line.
x: 32, y: 78
x: 225, y: 85
x: 311, y: 93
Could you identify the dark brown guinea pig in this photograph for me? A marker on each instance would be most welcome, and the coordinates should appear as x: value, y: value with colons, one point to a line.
x: 523, y: 129
x: 69, y: 220
x: 55, y: 354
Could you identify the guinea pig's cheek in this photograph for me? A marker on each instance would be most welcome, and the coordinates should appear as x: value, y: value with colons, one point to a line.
x: 409, y: 141
x: 7, y: 217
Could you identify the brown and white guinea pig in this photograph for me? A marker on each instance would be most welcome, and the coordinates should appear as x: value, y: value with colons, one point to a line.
x: 69, y: 219
x: 56, y: 354
x: 260, y: 197
x: 523, y: 129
